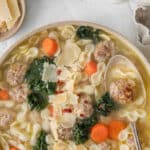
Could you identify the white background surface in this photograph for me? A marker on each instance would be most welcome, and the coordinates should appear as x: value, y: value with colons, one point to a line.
x: 105, y: 12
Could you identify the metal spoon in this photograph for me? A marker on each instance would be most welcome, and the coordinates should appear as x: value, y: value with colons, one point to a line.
x: 135, y: 134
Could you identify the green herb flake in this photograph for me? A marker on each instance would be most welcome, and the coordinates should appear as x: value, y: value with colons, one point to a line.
x: 105, y: 105
x: 37, y: 101
x: 82, y: 128
x: 86, y: 32
x: 41, y: 142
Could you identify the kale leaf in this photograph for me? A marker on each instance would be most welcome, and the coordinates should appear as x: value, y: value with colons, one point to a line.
x: 34, y: 76
x: 41, y: 142
x: 36, y: 69
x: 80, y: 133
x: 86, y: 32
x: 37, y: 101
x: 105, y: 105
x: 46, y: 88
x: 82, y: 128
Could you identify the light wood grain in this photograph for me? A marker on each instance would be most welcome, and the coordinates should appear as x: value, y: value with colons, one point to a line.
x: 11, y: 32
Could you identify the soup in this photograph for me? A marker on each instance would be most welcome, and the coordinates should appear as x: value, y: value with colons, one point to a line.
x: 73, y: 88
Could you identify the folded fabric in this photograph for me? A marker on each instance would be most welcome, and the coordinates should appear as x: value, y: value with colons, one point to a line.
x: 141, y: 9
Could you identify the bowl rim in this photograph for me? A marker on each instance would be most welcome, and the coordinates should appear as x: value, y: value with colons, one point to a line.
x: 121, y: 37
x: 8, y: 34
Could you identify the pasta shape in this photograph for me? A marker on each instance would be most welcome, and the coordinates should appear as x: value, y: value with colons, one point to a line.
x: 7, y: 104
x: 36, y: 129
x: 54, y: 35
x: 67, y: 59
x: 87, y: 89
x: 102, y: 146
x: 133, y: 115
x: 4, y: 138
x: 123, y: 135
x: 65, y: 74
x: 31, y: 54
x: 124, y: 147
x: 97, y: 78
x: 67, y: 31
x: 83, y: 42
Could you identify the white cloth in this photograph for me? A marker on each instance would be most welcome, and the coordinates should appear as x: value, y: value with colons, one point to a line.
x: 141, y: 9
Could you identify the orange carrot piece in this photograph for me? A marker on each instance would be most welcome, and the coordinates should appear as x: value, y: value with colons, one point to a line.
x: 4, y: 95
x: 90, y: 68
x: 49, y: 46
x: 99, y: 133
x: 13, y: 148
x: 51, y: 110
x: 114, y: 128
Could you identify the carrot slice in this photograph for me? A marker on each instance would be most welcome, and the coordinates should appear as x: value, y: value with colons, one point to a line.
x: 114, y: 128
x: 13, y: 148
x: 99, y: 133
x: 90, y: 68
x: 51, y: 110
x: 4, y: 95
x: 49, y: 46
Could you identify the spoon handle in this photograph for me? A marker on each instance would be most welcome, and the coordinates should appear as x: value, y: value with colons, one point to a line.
x: 136, y: 138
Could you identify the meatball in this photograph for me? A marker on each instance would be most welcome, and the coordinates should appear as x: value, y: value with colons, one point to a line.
x: 6, y: 117
x: 15, y: 74
x: 84, y: 108
x: 104, y: 51
x: 64, y: 133
x: 19, y: 93
x: 122, y: 90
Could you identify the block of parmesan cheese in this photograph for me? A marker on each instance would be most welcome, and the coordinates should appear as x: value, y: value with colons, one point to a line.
x: 5, y: 14
x: 15, y: 12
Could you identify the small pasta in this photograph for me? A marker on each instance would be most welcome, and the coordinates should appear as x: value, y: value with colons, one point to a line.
x: 67, y: 31
x: 4, y: 138
x: 133, y: 115
x: 54, y: 35
x: 36, y: 129
x: 124, y: 147
x: 123, y: 135
x: 83, y: 42
x: 17, y: 132
x: 87, y: 89
x: 22, y: 114
x: 31, y: 54
x: 7, y: 104
x: 65, y: 58
x: 34, y: 40
x: 97, y: 78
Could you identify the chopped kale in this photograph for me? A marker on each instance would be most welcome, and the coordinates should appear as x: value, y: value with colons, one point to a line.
x: 105, y: 105
x: 41, y: 142
x: 37, y: 101
x: 86, y: 32
x: 80, y: 133
x: 36, y: 69
x: 46, y: 88
x: 92, y: 120
x: 82, y: 128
